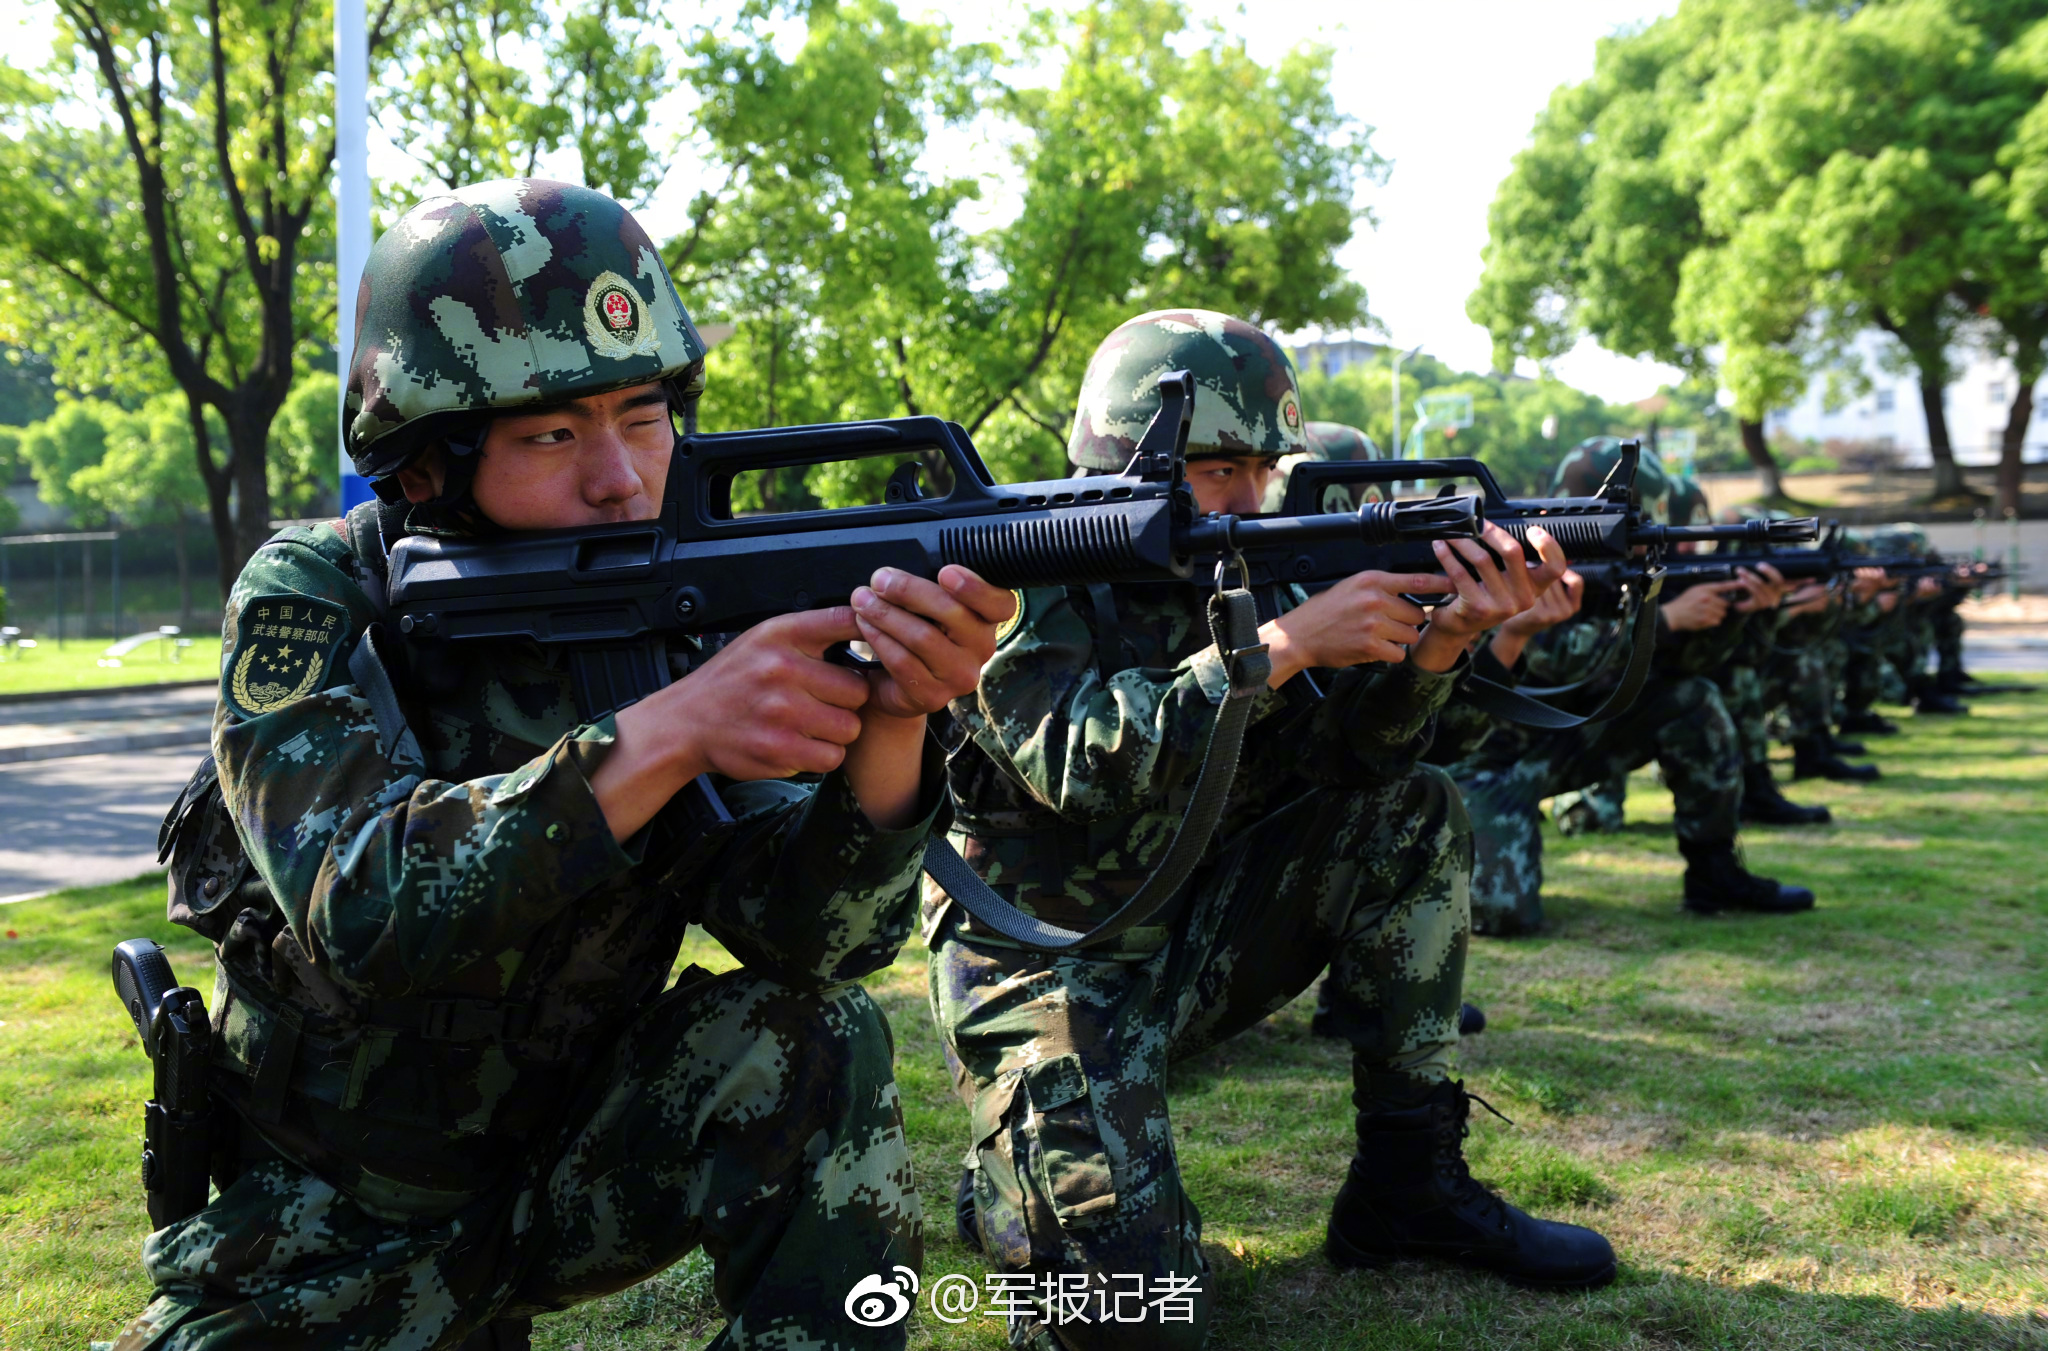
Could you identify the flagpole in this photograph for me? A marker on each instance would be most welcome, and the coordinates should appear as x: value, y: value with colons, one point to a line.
x: 351, y: 201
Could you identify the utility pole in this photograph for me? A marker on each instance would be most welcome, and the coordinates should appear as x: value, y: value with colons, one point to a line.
x: 351, y: 204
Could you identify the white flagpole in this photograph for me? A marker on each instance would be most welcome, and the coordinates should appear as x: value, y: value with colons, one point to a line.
x: 351, y: 199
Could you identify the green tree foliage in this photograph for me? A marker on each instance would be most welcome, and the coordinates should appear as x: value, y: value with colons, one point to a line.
x: 1156, y: 171
x: 148, y: 477
x: 27, y: 391
x: 1822, y: 170
x: 2010, y: 243
x: 482, y: 89
x: 1593, y: 230
x: 304, y: 472
x: 1509, y: 416
x: 164, y: 183
x: 71, y: 441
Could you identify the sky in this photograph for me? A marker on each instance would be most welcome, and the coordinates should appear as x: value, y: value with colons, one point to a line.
x: 1450, y: 88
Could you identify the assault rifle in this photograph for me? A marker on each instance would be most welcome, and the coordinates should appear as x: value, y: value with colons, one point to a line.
x: 616, y: 596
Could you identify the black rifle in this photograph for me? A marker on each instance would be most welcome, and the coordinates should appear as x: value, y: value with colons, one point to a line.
x: 170, y: 1020
x: 1608, y: 530
x: 617, y: 595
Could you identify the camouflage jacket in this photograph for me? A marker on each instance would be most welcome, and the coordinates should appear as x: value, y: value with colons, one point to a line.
x: 456, y: 932
x: 1074, y: 758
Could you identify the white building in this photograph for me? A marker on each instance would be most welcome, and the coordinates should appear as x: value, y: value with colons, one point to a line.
x: 1890, y: 416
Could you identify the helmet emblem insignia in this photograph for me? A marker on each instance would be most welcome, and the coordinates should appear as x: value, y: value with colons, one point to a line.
x: 615, y: 319
x: 1290, y: 413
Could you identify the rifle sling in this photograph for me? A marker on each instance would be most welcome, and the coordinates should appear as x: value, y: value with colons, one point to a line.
x: 1233, y: 622
x: 1514, y: 706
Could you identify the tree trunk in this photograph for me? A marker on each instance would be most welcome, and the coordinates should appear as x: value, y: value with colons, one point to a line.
x: 2010, y: 447
x: 1948, y: 479
x: 1760, y: 456
x: 248, y: 435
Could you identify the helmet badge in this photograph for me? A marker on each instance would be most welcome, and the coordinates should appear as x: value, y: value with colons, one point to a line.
x: 1290, y: 412
x: 615, y: 319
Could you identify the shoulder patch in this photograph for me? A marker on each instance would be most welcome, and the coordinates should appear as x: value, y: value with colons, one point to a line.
x: 283, y: 647
x: 1009, y: 626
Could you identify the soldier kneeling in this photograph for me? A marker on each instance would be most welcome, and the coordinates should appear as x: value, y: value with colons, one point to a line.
x: 447, y: 903
x: 1335, y: 851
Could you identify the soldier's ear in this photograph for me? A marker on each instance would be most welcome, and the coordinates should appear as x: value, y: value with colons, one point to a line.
x: 424, y: 477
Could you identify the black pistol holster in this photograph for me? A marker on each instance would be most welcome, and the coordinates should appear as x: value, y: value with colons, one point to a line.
x: 177, y: 1136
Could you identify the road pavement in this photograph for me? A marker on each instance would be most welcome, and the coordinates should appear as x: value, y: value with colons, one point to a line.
x: 85, y: 820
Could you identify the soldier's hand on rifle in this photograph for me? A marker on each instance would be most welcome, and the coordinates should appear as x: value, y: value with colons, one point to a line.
x: 1926, y: 588
x: 1490, y: 593
x: 1809, y: 598
x: 1552, y: 608
x: 767, y: 706
x: 1762, y: 589
x: 1694, y: 609
x: 1865, y: 583
x: 932, y: 638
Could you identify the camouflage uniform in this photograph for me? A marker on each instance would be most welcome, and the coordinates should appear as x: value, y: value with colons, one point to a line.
x: 1679, y: 720
x: 1071, y: 772
x: 461, y: 1092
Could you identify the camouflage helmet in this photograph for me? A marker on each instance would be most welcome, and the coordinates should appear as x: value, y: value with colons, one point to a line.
x: 1327, y: 441
x: 1902, y: 539
x: 1688, y: 502
x: 501, y: 295
x: 1586, y: 466
x: 1248, y: 401
x: 1336, y: 441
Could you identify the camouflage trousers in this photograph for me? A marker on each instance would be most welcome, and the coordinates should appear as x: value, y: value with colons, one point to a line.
x: 1799, y: 681
x: 1062, y: 1061
x: 1679, y: 722
x: 1868, y: 678
x: 736, y: 1113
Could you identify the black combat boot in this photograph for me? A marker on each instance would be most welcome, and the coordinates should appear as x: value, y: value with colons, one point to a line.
x: 1765, y: 805
x: 1841, y: 747
x: 1869, y: 722
x: 1934, y: 701
x: 1410, y: 1195
x: 1715, y: 880
x: 1814, y: 758
x: 1471, y: 1020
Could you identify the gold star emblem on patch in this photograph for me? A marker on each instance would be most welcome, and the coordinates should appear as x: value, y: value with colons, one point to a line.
x: 274, y: 665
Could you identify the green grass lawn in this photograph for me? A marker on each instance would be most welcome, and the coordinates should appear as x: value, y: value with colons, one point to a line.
x: 75, y: 666
x: 1823, y: 1131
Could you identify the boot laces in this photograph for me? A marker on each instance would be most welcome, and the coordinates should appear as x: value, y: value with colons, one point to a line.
x: 1452, y: 1131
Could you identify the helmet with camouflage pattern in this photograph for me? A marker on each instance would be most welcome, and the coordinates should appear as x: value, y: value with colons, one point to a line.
x: 513, y: 293
x: 1336, y: 441
x: 1327, y: 441
x: 1688, y: 502
x: 1902, y: 539
x: 1586, y: 466
x: 1248, y: 401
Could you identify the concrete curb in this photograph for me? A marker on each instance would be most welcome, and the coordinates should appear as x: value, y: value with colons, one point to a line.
x: 198, y: 734
x: 106, y: 691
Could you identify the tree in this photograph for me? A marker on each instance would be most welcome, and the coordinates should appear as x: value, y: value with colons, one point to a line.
x: 72, y: 440
x: 1510, y: 417
x: 166, y: 190
x: 303, y: 468
x: 2010, y: 241
x: 1148, y: 178
x: 1594, y: 228
x: 148, y: 476
x: 1864, y: 148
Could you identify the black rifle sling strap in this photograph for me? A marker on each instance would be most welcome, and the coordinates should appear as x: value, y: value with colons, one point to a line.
x: 1233, y: 621
x: 1512, y: 705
